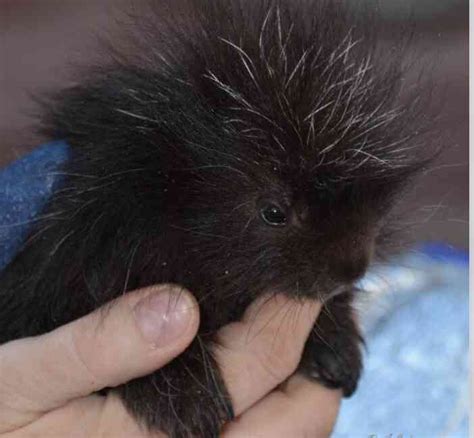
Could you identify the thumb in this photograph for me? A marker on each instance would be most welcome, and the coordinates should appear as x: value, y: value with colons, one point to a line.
x: 131, y: 337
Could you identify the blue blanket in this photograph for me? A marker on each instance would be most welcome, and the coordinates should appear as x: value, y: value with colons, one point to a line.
x: 415, y: 317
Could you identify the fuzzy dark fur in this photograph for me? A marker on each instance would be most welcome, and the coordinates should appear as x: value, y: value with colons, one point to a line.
x: 222, y: 111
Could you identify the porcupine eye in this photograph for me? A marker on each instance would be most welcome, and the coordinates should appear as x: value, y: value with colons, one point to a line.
x: 273, y: 215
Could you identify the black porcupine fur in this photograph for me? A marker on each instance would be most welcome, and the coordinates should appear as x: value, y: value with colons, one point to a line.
x: 222, y: 113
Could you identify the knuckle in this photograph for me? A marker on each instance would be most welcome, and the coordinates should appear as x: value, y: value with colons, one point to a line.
x: 82, y: 358
x: 279, y: 360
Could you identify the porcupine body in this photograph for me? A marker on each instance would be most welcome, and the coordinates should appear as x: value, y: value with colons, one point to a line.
x: 246, y: 147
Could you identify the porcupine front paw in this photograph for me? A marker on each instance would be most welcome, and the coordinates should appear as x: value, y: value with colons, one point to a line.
x: 332, y: 353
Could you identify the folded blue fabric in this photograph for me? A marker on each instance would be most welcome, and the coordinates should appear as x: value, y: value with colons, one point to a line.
x: 415, y: 318
x: 416, y: 375
x: 25, y: 186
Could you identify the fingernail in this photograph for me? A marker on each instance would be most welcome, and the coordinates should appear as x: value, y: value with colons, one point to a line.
x: 164, y: 316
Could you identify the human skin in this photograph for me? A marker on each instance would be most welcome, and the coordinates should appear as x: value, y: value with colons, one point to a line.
x: 48, y: 383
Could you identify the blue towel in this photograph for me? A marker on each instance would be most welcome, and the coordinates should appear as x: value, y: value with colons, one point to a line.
x: 415, y: 382
x: 25, y: 186
x: 415, y: 318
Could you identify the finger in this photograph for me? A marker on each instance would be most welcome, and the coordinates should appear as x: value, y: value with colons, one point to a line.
x: 92, y: 416
x: 137, y: 334
x: 264, y: 349
x: 299, y: 408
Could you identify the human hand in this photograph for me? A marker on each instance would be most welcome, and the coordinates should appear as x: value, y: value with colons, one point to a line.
x: 47, y: 383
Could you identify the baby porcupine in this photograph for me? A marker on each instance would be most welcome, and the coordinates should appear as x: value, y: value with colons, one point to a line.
x: 245, y: 147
